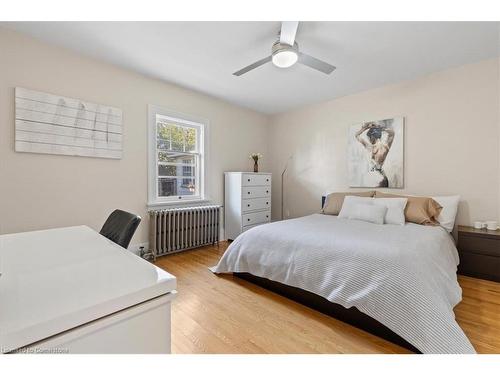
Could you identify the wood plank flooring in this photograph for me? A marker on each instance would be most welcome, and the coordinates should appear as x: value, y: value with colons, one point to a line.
x: 222, y: 314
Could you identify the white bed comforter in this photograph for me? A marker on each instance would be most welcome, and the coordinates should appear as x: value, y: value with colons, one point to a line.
x: 402, y: 276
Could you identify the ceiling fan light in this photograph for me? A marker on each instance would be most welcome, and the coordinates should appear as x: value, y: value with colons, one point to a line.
x: 285, y: 58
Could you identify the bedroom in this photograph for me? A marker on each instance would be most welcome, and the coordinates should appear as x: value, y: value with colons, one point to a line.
x: 340, y: 196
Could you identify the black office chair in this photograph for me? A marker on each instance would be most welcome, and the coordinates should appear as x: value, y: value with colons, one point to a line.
x: 120, y: 227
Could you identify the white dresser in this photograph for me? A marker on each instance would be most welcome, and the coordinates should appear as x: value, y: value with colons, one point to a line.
x: 247, y: 201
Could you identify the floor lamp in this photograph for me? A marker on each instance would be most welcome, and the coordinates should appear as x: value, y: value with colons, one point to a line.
x: 283, y: 184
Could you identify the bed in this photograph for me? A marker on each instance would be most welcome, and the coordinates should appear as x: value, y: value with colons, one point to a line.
x: 398, y: 282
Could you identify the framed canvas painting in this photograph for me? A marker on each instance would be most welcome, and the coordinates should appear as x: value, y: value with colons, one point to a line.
x: 376, y: 154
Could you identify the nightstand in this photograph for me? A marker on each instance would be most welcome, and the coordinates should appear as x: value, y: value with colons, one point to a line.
x: 479, y: 252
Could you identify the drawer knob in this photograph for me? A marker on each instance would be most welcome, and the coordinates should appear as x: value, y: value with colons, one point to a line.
x: 267, y: 202
x: 248, y: 180
x: 248, y: 219
x: 248, y: 193
x: 267, y: 180
x: 248, y: 205
x: 267, y: 215
x: 267, y: 191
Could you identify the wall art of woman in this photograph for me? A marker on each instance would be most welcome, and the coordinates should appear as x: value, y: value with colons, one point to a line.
x: 375, y: 153
x: 377, y: 147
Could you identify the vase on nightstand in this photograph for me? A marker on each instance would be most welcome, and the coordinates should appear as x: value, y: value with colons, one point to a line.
x: 255, y: 166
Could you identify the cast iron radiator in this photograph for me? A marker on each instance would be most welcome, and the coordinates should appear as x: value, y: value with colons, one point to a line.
x: 178, y: 229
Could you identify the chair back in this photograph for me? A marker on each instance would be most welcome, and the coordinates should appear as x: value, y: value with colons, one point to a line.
x: 120, y: 227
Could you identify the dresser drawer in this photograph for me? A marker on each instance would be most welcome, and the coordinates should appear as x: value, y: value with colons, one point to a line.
x: 255, y: 192
x: 256, y: 218
x: 255, y: 204
x: 479, y: 265
x: 249, y: 179
x: 479, y: 245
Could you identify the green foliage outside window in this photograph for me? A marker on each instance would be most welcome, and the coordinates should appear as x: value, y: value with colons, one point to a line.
x: 176, y: 138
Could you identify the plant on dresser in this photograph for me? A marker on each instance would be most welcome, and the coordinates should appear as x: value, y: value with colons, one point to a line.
x: 479, y: 251
x: 247, y: 201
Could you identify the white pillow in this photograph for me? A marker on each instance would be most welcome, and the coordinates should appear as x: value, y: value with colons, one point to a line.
x: 449, y: 212
x: 395, y: 209
x: 349, y: 202
x: 368, y: 212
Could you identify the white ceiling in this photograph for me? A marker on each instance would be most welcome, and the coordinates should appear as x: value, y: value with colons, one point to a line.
x: 203, y: 55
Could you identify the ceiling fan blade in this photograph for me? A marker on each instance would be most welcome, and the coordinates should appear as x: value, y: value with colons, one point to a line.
x: 315, y: 63
x: 288, y: 31
x: 252, y: 66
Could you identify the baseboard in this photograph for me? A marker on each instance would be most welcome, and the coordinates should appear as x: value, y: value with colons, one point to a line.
x: 135, y: 247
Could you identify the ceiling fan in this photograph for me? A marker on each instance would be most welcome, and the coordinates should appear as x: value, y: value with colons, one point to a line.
x: 285, y: 53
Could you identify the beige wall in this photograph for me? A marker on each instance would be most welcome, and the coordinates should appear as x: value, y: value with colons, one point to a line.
x: 451, y: 146
x: 43, y: 191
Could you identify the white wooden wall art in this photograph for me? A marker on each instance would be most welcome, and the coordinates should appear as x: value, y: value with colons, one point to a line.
x: 51, y: 124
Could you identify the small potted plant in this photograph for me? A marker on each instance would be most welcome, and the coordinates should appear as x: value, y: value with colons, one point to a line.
x: 256, y: 157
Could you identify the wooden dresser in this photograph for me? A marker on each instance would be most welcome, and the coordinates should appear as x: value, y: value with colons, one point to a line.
x: 479, y: 252
x: 247, y: 201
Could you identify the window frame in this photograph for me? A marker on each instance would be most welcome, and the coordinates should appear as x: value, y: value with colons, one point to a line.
x: 153, y: 176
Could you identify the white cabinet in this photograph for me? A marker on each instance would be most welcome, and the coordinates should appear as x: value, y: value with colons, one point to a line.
x: 71, y: 290
x: 247, y: 203
x: 140, y: 329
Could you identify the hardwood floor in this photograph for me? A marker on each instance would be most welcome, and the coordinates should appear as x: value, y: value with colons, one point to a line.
x: 222, y: 314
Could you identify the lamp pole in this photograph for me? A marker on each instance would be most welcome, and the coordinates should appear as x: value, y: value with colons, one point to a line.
x: 283, y: 185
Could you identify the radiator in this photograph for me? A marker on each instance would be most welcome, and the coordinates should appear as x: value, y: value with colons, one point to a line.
x: 178, y: 229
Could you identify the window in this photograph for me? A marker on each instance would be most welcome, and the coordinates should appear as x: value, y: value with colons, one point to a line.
x: 177, y: 159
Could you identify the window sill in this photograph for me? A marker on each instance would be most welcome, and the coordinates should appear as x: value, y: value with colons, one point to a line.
x: 182, y: 203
